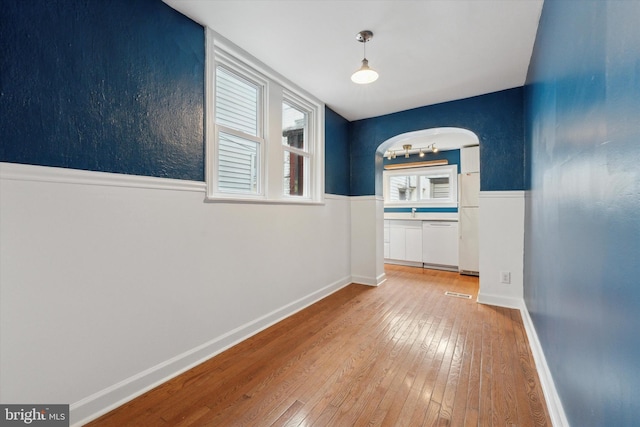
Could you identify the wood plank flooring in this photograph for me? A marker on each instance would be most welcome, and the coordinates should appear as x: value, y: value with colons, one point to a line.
x: 402, y: 354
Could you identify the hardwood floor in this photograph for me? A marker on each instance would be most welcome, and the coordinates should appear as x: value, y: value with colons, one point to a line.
x: 402, y: 354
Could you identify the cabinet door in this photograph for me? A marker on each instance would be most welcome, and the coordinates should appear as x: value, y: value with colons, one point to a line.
x: 413, y: 235
x: 440, y: 243
x: 470, y: 159
x: 397, y: 241
x: 469, y: 189
x: 469, y: 240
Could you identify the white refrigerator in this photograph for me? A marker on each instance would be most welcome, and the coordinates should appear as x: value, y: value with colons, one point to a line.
x: 468, y: 211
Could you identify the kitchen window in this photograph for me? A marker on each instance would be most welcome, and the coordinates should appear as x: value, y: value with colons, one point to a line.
x: 434, y: 186
x: 264, y: 135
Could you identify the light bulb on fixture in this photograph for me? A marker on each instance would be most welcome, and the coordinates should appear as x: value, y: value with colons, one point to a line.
x: 434, y: 148
x: 421, y: 153
x: 364, y: 75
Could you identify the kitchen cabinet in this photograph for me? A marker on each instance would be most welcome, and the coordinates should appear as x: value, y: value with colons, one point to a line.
x: 431, y: 244
x: 470, y: 159
x: 386, y: 238
x: 405, y: 241
x: 440, y: 244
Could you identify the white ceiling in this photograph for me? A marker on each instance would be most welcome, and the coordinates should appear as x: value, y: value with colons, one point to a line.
x: 426, y: 52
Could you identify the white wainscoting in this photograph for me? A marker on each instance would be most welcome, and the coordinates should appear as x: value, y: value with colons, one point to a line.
x: 111, y: 284
x: 501, y: 237
x: 502, y: 216
x: 367, y: 240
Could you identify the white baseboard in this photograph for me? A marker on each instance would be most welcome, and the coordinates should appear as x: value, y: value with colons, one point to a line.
x: 369, y: 281
x: 500, y: 301
x: 554, y: 404
x: 552, y: 399
x: 110, y: 398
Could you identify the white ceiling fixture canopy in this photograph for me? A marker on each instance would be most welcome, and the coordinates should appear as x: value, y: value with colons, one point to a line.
x: 430, y: 51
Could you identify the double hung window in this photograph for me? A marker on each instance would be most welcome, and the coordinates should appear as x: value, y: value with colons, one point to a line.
x: 295, y: 122
x: 264, y: 135
x: 238, y: 133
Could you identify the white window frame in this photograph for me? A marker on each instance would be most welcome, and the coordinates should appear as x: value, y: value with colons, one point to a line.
x: 300, y: 104
x: 252, y: 78
x: 275, y: 90
x: 450, y: 202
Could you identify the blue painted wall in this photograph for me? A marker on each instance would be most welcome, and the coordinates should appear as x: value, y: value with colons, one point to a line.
x: 114, y: 86
x: 582, y: 253
x: 496, y: 118
x: 337, y: 166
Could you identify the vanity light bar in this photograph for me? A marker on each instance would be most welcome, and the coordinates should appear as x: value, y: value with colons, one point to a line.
x: 440, y: 162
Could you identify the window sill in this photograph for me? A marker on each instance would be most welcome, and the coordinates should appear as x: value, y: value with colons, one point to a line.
x: 248, y: 201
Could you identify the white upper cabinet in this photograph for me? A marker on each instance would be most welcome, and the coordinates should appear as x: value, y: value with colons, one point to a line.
x: 470, y: 159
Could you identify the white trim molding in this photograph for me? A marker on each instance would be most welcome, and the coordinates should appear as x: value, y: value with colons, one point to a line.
x: 20, y: 172
x: 554, y: 404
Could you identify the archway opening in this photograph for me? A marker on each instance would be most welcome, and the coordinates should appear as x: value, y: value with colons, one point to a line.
x: 418, y: 147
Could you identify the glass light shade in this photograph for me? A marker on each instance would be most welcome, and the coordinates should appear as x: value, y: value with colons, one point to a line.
x: 365, y: 74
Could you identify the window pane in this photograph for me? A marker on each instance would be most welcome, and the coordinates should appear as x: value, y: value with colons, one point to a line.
x: 294, y: 167
x: 403, y: 187
x: 236, y: 102
x: 237, y: 164
x: 294, y: 124
x: 434, y: 187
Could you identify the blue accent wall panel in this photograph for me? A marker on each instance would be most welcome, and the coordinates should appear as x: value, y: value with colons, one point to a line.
x: 114, y: 86
x: 337, y: 162
x: 582, y: 240
x: 496, y: 118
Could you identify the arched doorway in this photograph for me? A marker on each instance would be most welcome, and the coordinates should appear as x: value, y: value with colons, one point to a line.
x: 421, y: 148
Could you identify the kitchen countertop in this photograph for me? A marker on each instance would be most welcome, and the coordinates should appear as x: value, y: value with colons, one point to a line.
x: 423, y: 216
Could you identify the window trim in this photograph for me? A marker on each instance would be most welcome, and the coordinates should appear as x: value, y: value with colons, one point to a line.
x: 276, y: 89
x: 307, y: 152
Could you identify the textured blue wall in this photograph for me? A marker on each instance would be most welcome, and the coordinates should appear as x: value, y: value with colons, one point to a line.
x: 496, y: 118
x: 582, y: 253
x: 114, y: 86
x: 337, y: 168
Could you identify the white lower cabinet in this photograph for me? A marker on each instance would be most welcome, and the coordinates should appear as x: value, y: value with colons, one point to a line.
x: 413, y: 243
x: 386, y: 238
x: 432, y: 243
x: 440, y: 243
x: 405, y: 241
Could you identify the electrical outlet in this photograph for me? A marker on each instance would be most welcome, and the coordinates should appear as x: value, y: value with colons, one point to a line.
x: 505, y: 277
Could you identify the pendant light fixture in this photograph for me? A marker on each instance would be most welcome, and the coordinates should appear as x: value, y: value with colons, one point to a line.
x: 364, y: 75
